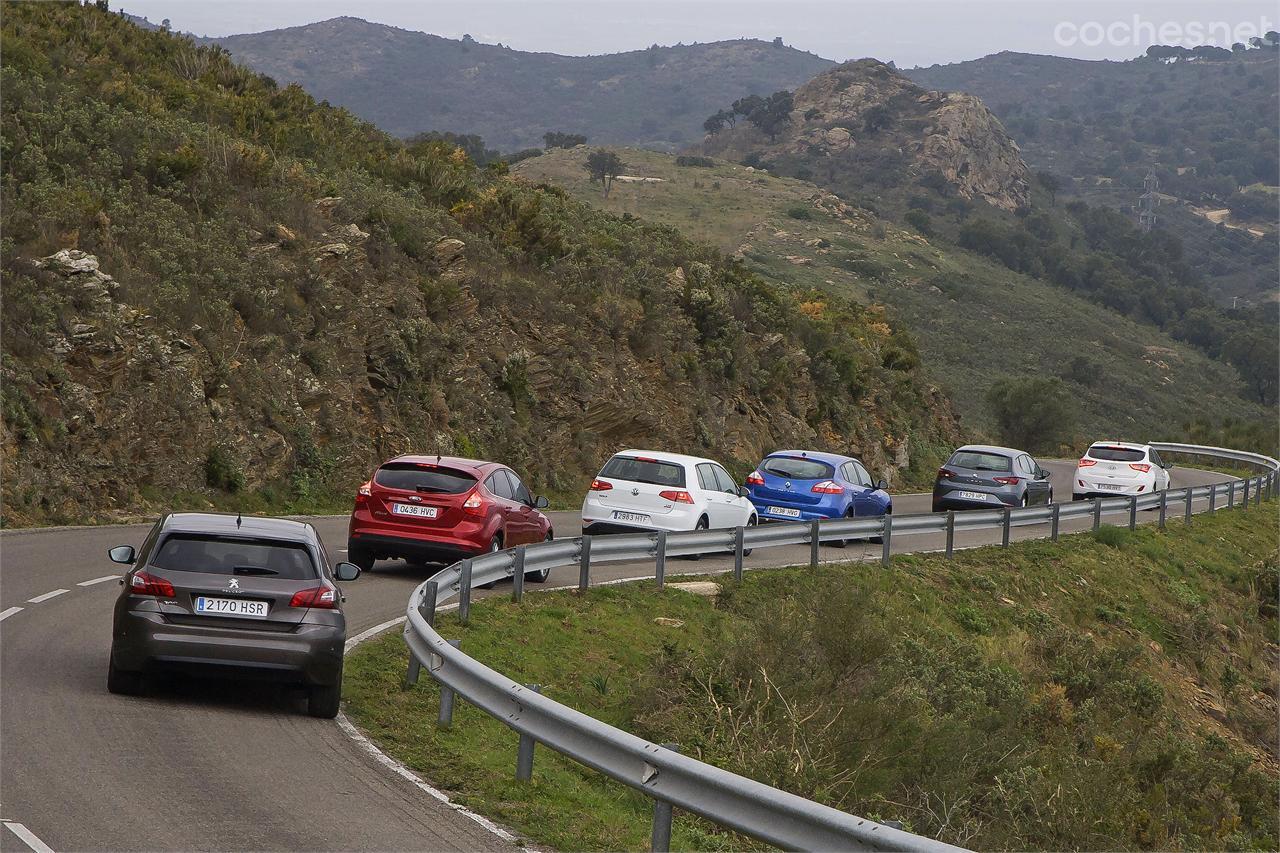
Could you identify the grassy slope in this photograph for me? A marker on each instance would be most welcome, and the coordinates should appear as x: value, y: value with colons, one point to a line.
x: 1112, y: 691
x: 984, y: 321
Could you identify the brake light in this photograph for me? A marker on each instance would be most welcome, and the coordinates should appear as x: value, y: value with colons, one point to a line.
x: 325, y: 597
x: 365, y: 489
x: 148, y: 584
x: 601, y: 485
x: 1008, y: 481
x: 1140, y: 466
x: 755, y: 479
x: 828, y: 487
x: 1088, y: 463
x: 645, y: 459
x: 946, y: 474
x: 474, y: 504
x: 679, y: 497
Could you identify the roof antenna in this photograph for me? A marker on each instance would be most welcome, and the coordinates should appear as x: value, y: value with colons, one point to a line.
x: 237, y: 519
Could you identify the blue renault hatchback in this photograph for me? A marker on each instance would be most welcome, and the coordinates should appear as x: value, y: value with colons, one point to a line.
x: 801, y: 485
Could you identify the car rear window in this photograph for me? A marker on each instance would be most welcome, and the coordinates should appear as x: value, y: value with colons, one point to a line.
x: 1116, y: 454
x: 226, y: 555
x: 417, y: 477
x: 640, y: 470
x: 977, y: 460
x: 793, y: 468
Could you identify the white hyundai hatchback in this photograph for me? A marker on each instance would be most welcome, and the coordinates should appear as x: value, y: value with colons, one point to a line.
x: 1119, y: 468
x: 640, y: 490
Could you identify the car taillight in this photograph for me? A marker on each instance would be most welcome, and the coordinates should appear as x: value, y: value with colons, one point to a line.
x: 1088, y: 463
x: 317, y: 596
x: 1140, y: 466
x: 365, y: 489
x: 474, y: 504
x: 945, y: 474
x: 1008, y: 481
x: 148, y: 584
x: 828, y: 487
x: 755, y: 479
x: 601, y: 485
x: 679, y: 497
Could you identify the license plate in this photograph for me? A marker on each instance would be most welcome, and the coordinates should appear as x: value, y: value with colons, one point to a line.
x: 231, y: 607
x: 414, y: 510
x: 973, y: 496
x: 1111, y: 486
x: 637, y: 517
x: 784, y: 510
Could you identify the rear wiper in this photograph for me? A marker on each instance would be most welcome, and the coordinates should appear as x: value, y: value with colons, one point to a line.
x: 431, y: 490
x: 254, y: 570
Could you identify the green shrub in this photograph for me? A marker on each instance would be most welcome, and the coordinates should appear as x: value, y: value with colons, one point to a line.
x: 221, y: 471
x: 800, y: 211
x: 1112, y: 536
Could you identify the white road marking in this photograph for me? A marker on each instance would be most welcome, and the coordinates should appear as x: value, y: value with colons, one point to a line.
x: 48, y: 595
x: 28, y: 837
x: 98, y: 580
x: 5, y: 614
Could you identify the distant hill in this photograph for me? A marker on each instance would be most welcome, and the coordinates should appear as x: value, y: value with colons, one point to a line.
x: 407, y: 82
x: 1205, y: 127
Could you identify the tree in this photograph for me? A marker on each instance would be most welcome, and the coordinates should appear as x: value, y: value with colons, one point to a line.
x: 877, y: 118
x: 604, y: 166
x: 556, y: 139
x: 1031, y: 414
x: 1051, y: 184
x: 716, y: 123
x: 772, y: 114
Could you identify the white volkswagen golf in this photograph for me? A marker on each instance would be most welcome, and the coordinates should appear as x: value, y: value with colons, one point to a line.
x: 1119, y: 468
x: 641, y: 490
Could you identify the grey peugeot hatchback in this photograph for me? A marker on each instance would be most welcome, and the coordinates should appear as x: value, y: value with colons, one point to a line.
x: 248, y: 597
x: 980, y: 476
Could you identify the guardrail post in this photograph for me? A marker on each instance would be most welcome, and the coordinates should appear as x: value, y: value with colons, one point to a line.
x: 464, y: 593
x: 1213, y: 497
x: 886, y: 537
x: 660, y: 559
x: 1133, y: 512
x: 1164, y: 500
x: 951, y: 532
x: 737, y: 553
x: 584, y: 564
x: 445, y: 718
x: 517, y: 579
x: 660, y: 840
x: 1004, y: 528
x: 1053, y: 522
x: 427, y: 607
x: 1244, y: 504
x: 1257, y: 492
x: 1231, y: 494
x: 524, y: 752
x: 1186, y: 508
x: 813, y: 545
x: 1097, y: 514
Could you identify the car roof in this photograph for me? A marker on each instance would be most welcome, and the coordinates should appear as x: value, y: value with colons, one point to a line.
x: 991, y: 448
x: 836, y: 459
x: 663, y: 456
x: 225, y: 524
x: 473, y: 466
x: 1129, y: 444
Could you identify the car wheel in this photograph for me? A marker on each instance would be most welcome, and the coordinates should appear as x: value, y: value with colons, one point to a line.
x: 701, y: 525
x: 494, y: 547
x: 751, y: 522
x: 1076, y: 496
x: 1024, y: 500
x: 322, y: 700
x: 122, y: 682
x: 542, y: 575
x: 1049, y: 502
x: 362, y: 558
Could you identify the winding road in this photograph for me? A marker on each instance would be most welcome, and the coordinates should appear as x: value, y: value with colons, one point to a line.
x: 216, y: 766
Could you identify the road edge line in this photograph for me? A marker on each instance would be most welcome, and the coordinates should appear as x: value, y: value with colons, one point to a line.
x: 27, y: 837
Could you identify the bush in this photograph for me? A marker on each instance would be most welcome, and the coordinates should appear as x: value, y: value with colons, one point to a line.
x: 1031, y: 414
x: 800, y: 211
x: 920, y: 221
x: 702, y: 162
x: 221, y: 471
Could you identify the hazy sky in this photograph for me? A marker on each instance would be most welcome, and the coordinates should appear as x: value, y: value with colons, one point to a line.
x: 909, y: 32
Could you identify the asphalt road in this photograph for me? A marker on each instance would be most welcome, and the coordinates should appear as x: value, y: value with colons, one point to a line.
x: 216, y: 766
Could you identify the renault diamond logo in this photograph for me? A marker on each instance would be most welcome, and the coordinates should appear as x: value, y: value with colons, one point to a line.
x: 787, y: 485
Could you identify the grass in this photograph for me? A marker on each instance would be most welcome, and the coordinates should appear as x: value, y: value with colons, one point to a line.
x: 973, y: 320
x: 1115, y: 690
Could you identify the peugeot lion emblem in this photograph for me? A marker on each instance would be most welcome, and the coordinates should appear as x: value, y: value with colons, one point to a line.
x: 234, y: 583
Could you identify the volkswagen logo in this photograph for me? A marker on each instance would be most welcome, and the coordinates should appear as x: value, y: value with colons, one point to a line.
x: 635, y: 493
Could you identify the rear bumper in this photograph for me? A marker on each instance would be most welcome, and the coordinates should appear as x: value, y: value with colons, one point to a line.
x: 603, y: 528
x: 806, y: 513
x: 1091, y: 487
x: 310, y: 654
x: 952, y: 500
x: 417, y: 550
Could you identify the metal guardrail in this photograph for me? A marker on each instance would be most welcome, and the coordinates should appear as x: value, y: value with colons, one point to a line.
x: 661, y: 772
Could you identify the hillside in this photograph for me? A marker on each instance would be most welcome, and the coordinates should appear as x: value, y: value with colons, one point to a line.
x: 975, y: 320
x: 219, y: 291
x: 409, y: 82
x: 1204, y: 128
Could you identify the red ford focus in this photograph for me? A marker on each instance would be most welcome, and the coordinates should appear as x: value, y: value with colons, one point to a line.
x: 429, y: 509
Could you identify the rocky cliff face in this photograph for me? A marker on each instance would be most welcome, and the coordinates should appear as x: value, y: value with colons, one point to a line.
x: 863, y: 116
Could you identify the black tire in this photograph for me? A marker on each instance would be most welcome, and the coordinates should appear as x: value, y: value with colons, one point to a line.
x: 541, y: 575
x: 751, y: 522
x: 1049, y: 501
x: 123, y: 682
x: 1024, y: 502
x: 361, y: 557
x: 702, y: 524
x: 494, y: 546
x: 323, y: 699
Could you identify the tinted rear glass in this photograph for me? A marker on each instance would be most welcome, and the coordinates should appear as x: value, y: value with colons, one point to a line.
x: 976, y: 460
x: 414, y: 477
x: 225, y: 555
x: 797, y: 469
x: 1117, y: 454
x: 643, y: 471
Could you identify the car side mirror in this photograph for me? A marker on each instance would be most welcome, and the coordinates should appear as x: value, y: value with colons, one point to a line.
x: 744, y: 492
x: 346, y: 571
x: 1042, y: 474
x: 882, y: 484
x: 122, y: 554
x: 541, y: 502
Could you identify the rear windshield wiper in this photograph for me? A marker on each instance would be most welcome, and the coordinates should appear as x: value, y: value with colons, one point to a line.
x: 254, y: 570
x: 431, y: 490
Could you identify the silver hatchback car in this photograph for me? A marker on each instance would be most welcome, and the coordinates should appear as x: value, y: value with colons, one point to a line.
x: 214, y: 594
